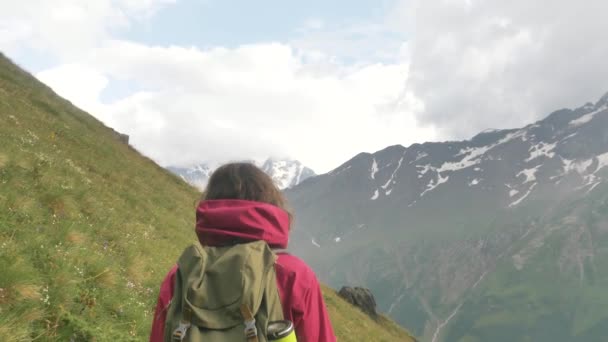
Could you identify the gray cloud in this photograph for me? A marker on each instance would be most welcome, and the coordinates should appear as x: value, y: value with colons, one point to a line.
x: 497, y: 64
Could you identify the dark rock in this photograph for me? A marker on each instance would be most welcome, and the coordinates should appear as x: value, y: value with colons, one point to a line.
x: 123, y: 138
x: 361, y: 298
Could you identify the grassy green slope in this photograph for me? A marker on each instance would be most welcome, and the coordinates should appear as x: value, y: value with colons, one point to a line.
x: 88, y: 226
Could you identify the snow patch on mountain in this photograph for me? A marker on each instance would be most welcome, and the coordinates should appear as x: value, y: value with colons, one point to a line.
x: 602, y: 161
x: 473, y: 154
x: 582, y: 168
x: 432, y: 184
x: 541, y: 149
x: 569, y: 136
x: 593, y: 187
x: 419, y: 156
x: 425, y: 169
x: 587, y: 117
x: 524, y: 196
x: 375, y: 195
x: 512, y: 192
x: 592, y: 180
x: 374, y: 169
x: 471, y: 159
x: 519, y: 134
x: 578, y: 166
x: 474, y: 182
x: 391, y: 179
x: 529, y: 173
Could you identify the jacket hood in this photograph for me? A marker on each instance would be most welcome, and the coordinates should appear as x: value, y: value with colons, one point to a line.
x: 226, y: 222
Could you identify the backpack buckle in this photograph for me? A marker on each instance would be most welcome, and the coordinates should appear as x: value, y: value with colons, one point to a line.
x: 250, y: 329
x: 251, y: 332
x: 180, y: 332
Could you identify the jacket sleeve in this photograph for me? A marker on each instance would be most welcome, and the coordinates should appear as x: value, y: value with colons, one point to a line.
x: 160, y: 313
x: 314, y: 325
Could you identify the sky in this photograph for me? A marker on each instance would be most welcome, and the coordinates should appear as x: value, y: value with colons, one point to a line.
x: 194, y: 81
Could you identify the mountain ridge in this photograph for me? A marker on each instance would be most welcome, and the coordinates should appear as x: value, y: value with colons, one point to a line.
x: 401, y: 218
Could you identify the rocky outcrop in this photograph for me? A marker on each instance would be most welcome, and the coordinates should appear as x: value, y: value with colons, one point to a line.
x: 123, y: 138
x: 361, y: 298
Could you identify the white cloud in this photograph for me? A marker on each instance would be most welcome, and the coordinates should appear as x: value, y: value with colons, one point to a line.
x: 250, y: 102
x: 67, y: 27
x: 80, y: 84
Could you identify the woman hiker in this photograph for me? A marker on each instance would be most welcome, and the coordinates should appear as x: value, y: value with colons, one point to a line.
x: 241, y: 204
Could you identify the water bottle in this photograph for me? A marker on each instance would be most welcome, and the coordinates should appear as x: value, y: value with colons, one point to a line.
x: 281, y: 331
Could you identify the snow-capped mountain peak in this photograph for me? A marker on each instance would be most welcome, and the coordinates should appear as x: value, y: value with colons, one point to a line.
x: 196, y: 175
x: 285, y: 173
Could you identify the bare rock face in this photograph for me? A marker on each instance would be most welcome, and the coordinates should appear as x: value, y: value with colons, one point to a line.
x: 361, y: 298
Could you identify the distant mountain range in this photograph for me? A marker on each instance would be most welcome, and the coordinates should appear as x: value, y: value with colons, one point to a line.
x: 503, y: 237
x: 285, y: 173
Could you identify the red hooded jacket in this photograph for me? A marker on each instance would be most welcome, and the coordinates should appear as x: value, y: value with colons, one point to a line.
x: 224, y: 222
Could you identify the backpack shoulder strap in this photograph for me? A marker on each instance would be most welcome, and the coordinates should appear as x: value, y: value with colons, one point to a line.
x: 179, y: 316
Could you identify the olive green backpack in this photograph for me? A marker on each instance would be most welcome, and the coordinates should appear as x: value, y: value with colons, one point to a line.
x: 224, y: 294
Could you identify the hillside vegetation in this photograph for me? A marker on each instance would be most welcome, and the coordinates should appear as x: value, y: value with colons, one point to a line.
x: 88, y: 226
